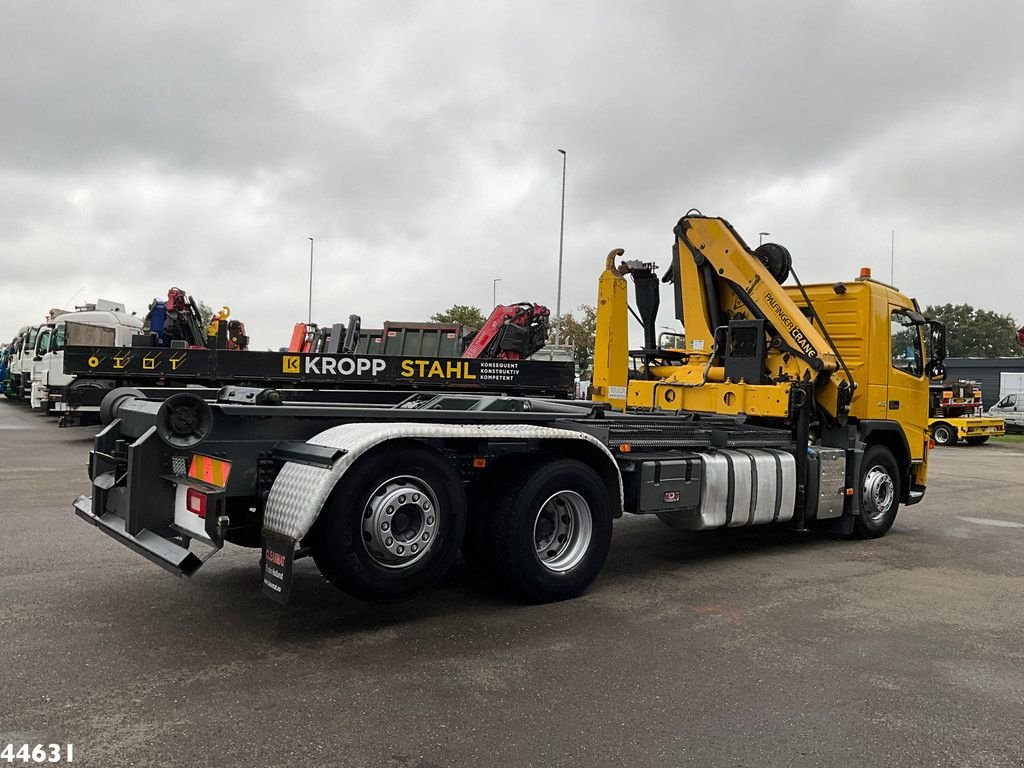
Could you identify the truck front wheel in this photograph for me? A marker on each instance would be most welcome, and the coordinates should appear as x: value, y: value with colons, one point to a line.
x: 550, y: 530
x: 879, y: 493
x: 394, y: 525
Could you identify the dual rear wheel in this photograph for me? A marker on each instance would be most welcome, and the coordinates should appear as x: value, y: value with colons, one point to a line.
x: 397, y: 521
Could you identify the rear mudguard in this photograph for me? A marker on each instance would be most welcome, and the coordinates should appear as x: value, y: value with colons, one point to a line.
x: 300, y: 490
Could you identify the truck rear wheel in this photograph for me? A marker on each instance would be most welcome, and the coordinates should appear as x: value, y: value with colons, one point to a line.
x: 550, y: 530
x: 944, y: 434
x: 393, y: 526
x: 879, y: 493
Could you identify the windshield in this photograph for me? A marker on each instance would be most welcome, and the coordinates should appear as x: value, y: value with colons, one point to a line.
x: 30, y: 339
x: 43, y: 342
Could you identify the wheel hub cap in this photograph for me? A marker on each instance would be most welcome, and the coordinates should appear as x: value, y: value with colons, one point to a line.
x: 562, y: 531
x: 400, y: 522
x: 879, y: 492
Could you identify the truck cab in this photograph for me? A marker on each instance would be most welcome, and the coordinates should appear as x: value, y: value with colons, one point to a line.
x: 105, y: 323
x: 880, y: 335
x: 42, y: 347
x: 12, y: 380
x: 21, y: 361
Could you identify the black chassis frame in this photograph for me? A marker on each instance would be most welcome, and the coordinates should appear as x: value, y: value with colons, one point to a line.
x: 133, y: 465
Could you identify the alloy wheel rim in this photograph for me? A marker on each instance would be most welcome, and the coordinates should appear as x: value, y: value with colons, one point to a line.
x: 879, y: 492
x: 400, y: 521
x: 562, y: 531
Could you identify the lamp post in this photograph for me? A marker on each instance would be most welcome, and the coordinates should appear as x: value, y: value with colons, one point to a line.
x: 561, y: 244
x: 309, y: 316
x: 761, y: 236
x: 494, y: 292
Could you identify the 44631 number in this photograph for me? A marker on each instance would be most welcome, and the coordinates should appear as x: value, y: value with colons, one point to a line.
x: 40, y: 753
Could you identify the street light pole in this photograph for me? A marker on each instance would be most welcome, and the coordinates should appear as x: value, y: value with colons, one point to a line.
x: 309, y: 316
x: 761, y: 236
x: 494, y: 292
x: 561, y: 244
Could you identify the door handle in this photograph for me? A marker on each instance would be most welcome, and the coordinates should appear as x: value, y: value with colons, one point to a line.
x: 894, y: 405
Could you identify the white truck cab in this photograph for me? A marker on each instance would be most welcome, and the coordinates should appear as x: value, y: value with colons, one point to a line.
x: 34, y: 369
x: 14, y: 363
x: 105, y: 323
x: 21, y: 362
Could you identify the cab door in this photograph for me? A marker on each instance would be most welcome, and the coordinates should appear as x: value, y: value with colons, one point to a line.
x: 907, y: 400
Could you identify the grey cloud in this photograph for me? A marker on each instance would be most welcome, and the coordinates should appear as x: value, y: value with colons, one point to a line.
x: 152, y: 144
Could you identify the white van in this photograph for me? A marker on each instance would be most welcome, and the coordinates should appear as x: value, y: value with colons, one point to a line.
x: 1010, y: 407
x: 103, y: 324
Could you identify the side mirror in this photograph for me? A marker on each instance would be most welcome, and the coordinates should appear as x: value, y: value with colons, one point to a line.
x: 936, y: 351
x: 37, y: 358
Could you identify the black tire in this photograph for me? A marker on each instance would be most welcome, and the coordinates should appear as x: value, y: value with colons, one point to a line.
x: 977, y: 440
x: 944, y: 434
x: 528, y: 505
x: 477, y: 551
x: 880, y: 491
x: 364, y: 565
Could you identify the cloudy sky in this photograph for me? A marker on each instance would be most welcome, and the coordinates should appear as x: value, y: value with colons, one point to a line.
x: 154, y: 144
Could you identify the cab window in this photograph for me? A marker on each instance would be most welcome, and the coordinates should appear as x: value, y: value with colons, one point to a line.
x: 907, y: 354
x: 58, y: 338
x: 1007, y: 402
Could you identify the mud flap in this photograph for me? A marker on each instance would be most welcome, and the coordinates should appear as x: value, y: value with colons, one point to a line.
x: 278, y: 554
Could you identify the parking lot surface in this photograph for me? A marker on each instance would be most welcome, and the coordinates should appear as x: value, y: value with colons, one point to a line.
x: 754, y: 648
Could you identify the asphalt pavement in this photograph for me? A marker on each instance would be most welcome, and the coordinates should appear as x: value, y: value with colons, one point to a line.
x: 755, y: 648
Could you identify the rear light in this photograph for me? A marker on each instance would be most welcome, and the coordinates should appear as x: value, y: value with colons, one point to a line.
x: 195, y: 502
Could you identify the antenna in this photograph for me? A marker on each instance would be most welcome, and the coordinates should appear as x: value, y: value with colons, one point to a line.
x: 892, y: 259
x: 73, y: 295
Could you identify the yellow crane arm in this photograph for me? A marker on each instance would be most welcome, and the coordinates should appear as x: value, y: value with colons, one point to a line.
x: 725, y: 296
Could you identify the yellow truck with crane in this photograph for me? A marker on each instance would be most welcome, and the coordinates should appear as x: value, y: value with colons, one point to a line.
x: 798, y: 405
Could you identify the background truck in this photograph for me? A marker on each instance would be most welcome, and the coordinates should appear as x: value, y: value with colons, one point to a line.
x: 21, y: 359
x: 956, y: 412
x: 105, y: 323
x: 805, y: 406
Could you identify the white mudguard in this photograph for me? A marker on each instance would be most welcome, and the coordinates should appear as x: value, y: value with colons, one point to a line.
x: 300, y: 491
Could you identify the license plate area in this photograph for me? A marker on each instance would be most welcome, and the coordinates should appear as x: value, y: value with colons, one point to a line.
x: 187, y: 521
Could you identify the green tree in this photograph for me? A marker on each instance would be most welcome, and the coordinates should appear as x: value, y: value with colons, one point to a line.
x: 579, y: 331
x: 974, y: 332
x: 206, y: 312
x: 460, y: 313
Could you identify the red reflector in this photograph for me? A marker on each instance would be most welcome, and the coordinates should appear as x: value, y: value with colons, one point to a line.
x: 195, y: 502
